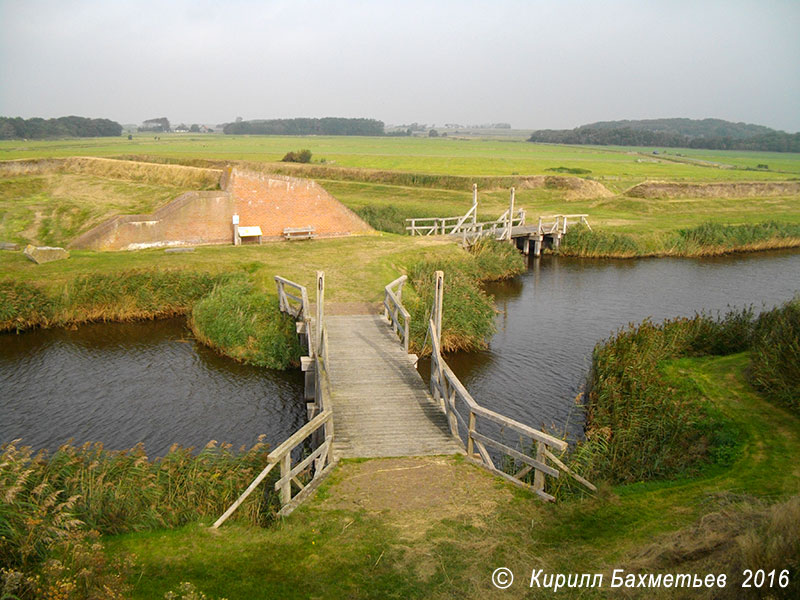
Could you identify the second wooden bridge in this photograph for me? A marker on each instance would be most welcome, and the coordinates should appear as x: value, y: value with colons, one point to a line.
x: 367, y: 399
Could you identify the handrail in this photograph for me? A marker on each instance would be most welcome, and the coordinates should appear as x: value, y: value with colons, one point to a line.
x: 447, y: 389
x: 299, y: 311
x: 393, y: 309
x: 322, y: 456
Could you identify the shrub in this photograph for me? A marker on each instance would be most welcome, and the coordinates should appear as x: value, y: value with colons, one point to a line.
x: 301, y: 156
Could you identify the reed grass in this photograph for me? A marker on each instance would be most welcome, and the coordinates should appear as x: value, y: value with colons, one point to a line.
x: 468, y: 312
x: 120, y: 296
x: 706, y: 239
x: 775, y: 354
x: 53, y: 507
x: 244, y: 324
x: 640, y: 426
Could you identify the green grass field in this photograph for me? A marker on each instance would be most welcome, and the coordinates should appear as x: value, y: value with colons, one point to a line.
x: 617, y: 167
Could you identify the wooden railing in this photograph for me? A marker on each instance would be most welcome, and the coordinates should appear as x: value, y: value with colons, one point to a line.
x: 449, y: 391
x: 393, y: 309
x: 558, y: 223
x: 291, y: 303
x: 319, y: 430
x: 498, y: 229
x: 462, y: 226
x: 432, y: 225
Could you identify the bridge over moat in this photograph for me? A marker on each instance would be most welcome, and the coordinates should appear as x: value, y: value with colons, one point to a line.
x: 366, y: 399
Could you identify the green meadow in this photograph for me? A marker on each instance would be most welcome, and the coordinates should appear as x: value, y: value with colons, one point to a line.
x: 406, y: 528
x: 443, y: 155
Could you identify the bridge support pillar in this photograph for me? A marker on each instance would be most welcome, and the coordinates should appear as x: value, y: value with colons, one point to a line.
x: 526, y: 246
x: 537, y: 247
x: 556, y: 241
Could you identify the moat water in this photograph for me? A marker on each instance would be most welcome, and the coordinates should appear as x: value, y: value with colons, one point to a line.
x: 150, y: 382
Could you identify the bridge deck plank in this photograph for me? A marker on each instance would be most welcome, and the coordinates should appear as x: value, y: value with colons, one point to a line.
x: 381, y: 405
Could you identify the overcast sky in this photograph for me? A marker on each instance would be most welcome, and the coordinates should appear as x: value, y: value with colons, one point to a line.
x: 534, y: 64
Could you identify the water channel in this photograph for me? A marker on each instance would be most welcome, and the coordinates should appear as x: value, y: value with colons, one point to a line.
x: 150, y: 382
x: 125, y: 383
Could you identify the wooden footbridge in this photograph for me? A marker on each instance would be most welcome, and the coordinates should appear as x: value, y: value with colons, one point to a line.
x: 510, y: 226
x: 366, y: 399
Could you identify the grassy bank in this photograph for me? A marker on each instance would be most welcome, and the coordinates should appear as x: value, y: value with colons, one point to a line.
x: 438, y: 527
x: 705, y: 239
x: 468, y: 312
x: 241, y: 319
x: 53, y: 508
x: 120, y: 296
x: 641, y: 425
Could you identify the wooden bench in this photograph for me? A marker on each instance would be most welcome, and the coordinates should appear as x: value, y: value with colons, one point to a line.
x: 299, y: 233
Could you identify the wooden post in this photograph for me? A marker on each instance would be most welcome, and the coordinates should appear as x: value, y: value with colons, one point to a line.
x: 474, y: 203
x: 538, y: 476
x: 526, y: 246
x: 470, y: 449
x: 540, y: 227
x: 537, y: 246
x: 286, y: 488
x: 320, y: 309
x: 437, y: 299
x: 510, y: 216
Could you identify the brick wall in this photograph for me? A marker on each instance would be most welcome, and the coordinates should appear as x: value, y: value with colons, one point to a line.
x: 272, y: 202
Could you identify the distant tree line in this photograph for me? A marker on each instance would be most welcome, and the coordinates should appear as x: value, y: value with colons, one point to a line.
x: 38, y: 128
x: 713, y: 134
x: 303, y: 126
x: 159, y: 125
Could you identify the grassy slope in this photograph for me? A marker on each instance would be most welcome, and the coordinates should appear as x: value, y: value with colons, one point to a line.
x: 53, y: 209
x: 30, y: 203
x: 343, y: 545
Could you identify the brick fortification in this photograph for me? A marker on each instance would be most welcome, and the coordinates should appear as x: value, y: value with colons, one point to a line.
x: 272, y: 202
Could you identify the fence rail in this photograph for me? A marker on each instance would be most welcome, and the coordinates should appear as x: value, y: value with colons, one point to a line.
x: 393, y: 309
x: 319, y: 430
x: 448, y: 390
